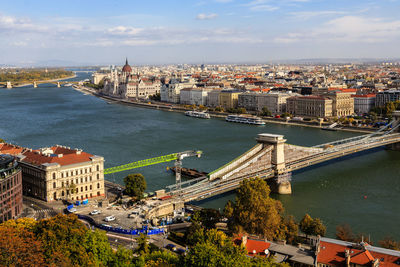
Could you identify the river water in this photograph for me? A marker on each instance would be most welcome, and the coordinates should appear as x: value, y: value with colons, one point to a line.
x: 362, y: 191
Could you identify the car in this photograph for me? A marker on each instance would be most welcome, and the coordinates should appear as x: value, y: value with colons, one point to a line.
x: 171, y: 247
x: 181, y: 251
x: 72, y: 210
x: 95, y: 212
x: 109, y: 218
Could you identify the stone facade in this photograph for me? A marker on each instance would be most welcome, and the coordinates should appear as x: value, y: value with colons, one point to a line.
x: 309, y: 106
x: 229, y: 99
x: 274, y: 102
x: 342, y: 103
x: 364, y: 103
x: 59, y: 172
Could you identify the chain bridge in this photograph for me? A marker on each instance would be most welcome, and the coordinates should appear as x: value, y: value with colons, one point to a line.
x: 272, y: 158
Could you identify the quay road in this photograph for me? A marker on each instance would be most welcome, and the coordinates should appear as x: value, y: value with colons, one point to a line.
x: 204, y: 188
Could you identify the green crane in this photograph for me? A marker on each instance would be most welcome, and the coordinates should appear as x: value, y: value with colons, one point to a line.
x: 147, y: 162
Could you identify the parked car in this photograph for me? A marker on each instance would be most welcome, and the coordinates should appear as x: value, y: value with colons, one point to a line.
x: 95, y: 212
x: 72, y: 210
x: 181, y: 251
x: 109, y: 218
x: 171, y: 247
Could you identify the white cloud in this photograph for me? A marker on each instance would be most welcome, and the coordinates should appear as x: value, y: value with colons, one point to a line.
x: 348, y: 29
x: 123, y: 30
x: 203, y: 16
x: 305, y: 15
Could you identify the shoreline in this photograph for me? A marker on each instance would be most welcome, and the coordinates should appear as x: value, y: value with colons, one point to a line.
x: 171, y: 107
x: 45, y: 81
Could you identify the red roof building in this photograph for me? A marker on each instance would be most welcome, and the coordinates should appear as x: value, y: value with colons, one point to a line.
x: 331, y: 252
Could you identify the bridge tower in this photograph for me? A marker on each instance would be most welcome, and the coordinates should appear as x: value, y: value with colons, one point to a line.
x: 396, y: 117
x: 281, y: 182
x: 8, y: 85
x: 58, y: 84
x: 34, y: 85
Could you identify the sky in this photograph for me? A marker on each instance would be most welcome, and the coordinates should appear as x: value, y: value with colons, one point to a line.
x: 89, y: 32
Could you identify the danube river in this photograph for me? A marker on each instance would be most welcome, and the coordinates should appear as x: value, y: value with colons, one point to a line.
x: 362, y: 191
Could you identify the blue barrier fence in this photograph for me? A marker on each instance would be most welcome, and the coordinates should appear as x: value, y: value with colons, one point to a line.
x: 122, y: 231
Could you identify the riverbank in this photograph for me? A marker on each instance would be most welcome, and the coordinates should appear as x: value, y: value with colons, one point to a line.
x: 175, y: 108
x: 45, y: 81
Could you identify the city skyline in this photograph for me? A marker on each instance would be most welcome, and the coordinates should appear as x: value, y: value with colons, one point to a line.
x: 215, y: 31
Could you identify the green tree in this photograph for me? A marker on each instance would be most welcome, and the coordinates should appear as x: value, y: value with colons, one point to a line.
x: 219, y: 109
x: 207, y: 217
x: 255, y: 211
x: 194, y: 234
x: 229, y: 209
x: 122, y: 258
x: 241, y: 111
x: 2, y: 140
x: 266, y: 112
x: 311, y: 226
x: 135, y: 184
x: 142, y: 244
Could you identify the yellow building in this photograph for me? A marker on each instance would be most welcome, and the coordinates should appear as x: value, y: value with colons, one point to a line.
x: 229, y: 99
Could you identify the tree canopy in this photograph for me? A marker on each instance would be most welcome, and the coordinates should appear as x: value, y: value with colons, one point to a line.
x: 311, y: 226
x: 255, y: 212
x: 135, y: 184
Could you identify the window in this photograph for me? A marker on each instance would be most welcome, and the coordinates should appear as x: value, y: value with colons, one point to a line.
x: 98, y: 193
x: 76, y: 180
x: 98, y: 176
x: 77, y: 190
x: 62, y: 184
x: 85, y: 188
x: 54, y: 185
x: 81, y: 188
x: 91, y: 195
x: 90, y: 187
x: 54, y: 175
x: 86, y: 179
x: 81, y: 180
x: 98, y: 185
x: 81, y: 171
x: 62, y: 194
x: 97, y: 168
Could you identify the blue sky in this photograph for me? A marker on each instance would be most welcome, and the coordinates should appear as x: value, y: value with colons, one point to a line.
x: 196, y: 31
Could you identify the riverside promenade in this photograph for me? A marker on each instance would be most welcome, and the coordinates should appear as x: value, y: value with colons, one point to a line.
x: 177, y: 108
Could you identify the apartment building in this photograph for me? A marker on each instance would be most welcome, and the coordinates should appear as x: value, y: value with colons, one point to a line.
x: 309, y: 106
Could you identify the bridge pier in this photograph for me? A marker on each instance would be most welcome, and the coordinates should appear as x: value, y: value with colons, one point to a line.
x: 281, y: 182
x: 58, y: 84
x: 8, y: 85
x: 34, y: 85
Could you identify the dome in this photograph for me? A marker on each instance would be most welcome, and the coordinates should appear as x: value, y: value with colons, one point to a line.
x: 126, y: 67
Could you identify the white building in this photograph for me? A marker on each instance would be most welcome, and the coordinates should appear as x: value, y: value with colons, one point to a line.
x: 364, y: 103
x: 213, y: 98
x: 274, y: 102
x: 194, y: 96
x: 170, y: 92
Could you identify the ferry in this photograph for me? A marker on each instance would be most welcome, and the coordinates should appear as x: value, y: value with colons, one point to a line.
x: 245, y: 119
x: 198, y: 114
x: 68, y: 84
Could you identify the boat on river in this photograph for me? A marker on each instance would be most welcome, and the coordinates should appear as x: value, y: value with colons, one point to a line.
x: 247, y: 119
x: 198, y: 114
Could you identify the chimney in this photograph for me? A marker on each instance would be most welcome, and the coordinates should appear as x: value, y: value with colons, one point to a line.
x: 348, y: 257
x: 244, y: 240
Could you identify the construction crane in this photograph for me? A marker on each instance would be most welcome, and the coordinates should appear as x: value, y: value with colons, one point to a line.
x: 178, y: 157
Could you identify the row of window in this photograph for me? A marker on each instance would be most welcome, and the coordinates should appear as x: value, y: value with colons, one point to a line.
x: 76, y: 181
x: 76, y: 172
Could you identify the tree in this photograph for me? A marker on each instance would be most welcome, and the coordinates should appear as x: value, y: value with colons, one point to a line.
x: 266, y: 112
x: 207, y: 217
x: 311, y: 226
x: 2, y: 140
x: 255, y: 212
x: 19, y: 247
x: 219, y: 109
x: 228, y: 209
x: 216, y: 250
x: 389, y: 243
x: 142, y: 244
x: 344, y: 232
x: 135, y: 184
x: 241, y: 111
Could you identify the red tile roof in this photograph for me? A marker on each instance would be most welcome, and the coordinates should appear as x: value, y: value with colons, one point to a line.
x: 334, y: 253
x: 259, y: 246
x: 69, y: 156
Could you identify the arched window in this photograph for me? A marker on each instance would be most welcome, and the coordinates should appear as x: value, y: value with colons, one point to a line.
x: 54, y: 175
x: 98, y: 176
x: 98, y: 185
x: 54, y: 185
x: 97, y: 168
